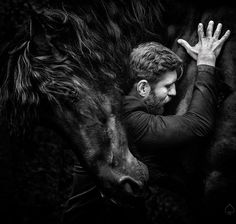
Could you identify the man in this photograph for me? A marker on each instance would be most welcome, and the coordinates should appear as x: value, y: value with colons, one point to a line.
x: 154, y: 70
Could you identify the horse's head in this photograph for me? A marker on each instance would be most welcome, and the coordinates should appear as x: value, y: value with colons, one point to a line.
x: 62, y: 66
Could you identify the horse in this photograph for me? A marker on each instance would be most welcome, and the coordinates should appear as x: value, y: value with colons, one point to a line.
x: 56, y: 72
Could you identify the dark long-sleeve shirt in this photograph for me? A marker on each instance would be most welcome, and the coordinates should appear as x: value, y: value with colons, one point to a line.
x: 157, y: 137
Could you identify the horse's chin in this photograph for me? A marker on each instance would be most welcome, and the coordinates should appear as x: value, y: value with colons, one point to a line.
x: 125, y: 197
x: 126, y: 200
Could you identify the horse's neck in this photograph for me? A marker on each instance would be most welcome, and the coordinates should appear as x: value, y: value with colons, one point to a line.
x: 187, y: 87
x: 186, y: 84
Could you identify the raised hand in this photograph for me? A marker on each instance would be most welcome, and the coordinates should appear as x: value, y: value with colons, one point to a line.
x: 209, y: 46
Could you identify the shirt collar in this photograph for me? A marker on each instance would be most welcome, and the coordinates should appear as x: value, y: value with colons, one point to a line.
x: 132, y: 103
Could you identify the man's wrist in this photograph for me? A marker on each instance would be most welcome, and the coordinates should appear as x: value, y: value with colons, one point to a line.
x: 206, y: 60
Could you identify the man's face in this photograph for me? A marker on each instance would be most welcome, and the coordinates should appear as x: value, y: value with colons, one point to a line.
x: 162, y: 92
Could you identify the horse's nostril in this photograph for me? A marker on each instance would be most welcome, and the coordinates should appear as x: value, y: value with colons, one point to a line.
x: 131, y: 186
x: 128, y: 188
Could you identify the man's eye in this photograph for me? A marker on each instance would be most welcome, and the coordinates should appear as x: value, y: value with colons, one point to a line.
x: 169, y: 86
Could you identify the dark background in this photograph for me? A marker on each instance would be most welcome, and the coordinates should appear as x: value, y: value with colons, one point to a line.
x: 35, y: 174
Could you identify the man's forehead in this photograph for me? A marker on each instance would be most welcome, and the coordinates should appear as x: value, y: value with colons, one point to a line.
x: 169, y: 76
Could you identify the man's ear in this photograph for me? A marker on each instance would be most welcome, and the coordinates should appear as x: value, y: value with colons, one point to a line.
x: 143, y: 88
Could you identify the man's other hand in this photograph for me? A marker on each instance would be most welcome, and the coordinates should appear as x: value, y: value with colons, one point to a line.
x: 208, y: 47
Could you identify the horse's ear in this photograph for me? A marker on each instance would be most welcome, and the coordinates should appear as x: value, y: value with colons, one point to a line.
x: 37, y: 32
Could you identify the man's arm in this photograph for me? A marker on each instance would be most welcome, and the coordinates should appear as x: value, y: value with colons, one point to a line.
x: 165, y: 131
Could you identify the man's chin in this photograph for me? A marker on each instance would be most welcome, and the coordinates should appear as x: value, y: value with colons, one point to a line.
x: 160, y: 110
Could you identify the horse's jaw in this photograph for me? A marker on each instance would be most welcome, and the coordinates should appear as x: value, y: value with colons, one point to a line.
x: 118, y: 174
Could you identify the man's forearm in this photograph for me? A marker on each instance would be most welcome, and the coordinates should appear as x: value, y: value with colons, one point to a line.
x: 205, y: 94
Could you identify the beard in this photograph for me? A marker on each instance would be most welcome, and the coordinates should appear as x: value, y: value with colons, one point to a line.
x: 154, y: 105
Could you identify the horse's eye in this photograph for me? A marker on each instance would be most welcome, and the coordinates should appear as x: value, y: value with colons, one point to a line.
x: 103, y: 120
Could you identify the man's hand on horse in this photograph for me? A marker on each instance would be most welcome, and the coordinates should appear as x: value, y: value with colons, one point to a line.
x: 209, y: 46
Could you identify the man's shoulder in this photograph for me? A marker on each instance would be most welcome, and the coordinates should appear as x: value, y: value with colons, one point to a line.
x: 131, y: 104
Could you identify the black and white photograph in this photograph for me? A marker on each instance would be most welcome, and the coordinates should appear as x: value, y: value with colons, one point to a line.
x: 117, y: 112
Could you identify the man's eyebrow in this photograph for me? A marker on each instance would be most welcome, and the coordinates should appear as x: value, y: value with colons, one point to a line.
x: 172, y: 82
x: 176, y: 79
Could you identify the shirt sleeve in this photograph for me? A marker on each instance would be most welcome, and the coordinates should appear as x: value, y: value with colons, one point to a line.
x: 175, y: 129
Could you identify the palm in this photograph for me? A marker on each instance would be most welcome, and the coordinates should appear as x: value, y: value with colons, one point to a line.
x: 193, y: 51
x: 209, y: 45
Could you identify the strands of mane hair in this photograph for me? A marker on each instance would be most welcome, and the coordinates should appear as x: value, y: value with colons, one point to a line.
x: 69, y: 54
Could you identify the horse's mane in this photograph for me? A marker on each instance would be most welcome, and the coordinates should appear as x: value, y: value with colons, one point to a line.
x: 60, y: 57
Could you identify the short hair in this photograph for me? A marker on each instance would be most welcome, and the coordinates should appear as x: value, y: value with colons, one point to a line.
x: 150, y: 60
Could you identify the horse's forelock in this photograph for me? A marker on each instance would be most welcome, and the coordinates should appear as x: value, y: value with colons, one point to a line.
x: 83, y: 46
x: 31, y: 80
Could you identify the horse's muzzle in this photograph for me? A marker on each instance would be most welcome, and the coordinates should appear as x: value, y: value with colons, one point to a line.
x: 131, y: 186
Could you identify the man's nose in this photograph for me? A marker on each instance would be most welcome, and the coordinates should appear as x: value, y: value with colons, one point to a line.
x: 172, y: 91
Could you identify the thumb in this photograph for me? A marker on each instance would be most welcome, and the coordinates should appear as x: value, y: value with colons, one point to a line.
x: 188, y: 48
x: 184, y: 44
